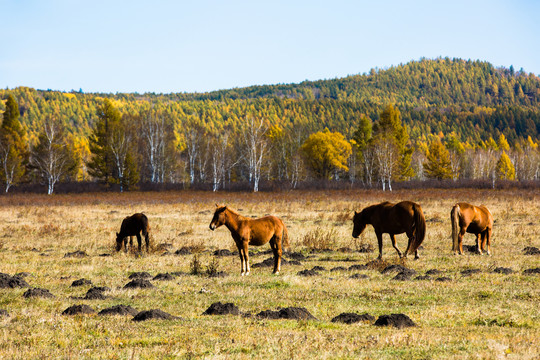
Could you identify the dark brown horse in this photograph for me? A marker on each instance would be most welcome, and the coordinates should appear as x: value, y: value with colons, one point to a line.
x: 472, y: 219
x: 387, y: 218
x: 256, y: 232
x: 133, y: 225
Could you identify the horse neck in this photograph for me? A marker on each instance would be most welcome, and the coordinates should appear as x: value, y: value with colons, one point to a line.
x: 232, y: 221
x: 367, y: 213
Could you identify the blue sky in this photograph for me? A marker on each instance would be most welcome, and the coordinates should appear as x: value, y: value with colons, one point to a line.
x: 186, y: 46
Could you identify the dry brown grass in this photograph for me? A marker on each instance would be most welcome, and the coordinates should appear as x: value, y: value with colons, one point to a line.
x: 485, y: 315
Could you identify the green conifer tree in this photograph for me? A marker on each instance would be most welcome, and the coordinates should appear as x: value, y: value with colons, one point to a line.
x: 438, y: 164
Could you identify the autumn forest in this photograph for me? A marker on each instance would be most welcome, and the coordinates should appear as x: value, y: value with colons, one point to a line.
x: 442, y: 119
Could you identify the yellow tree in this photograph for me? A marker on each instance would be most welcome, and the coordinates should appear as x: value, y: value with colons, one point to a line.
x: 505, y: 168
x: 326, y: 152
x: 438, y: 164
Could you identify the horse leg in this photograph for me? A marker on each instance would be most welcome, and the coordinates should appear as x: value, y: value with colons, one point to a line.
x: 393, y: 238
x: 460, y: 241
x: 240, y: 252
x: 125, y: 241
x: 478, y: 244
x: 275, y: 244
x: 131, y: 242
x: 379, y: 240
x: 139, y: 241
x: 488, y: 241
x: 147, y: 240
x: 246, y: 257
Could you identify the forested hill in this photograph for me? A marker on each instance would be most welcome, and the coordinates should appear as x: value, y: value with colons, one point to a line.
x: 471, y: 98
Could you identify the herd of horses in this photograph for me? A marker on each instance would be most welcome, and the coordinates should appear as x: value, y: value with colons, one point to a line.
x: 386, y: 218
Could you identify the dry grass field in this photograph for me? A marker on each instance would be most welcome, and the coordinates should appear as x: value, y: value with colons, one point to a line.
x: 481, y: 315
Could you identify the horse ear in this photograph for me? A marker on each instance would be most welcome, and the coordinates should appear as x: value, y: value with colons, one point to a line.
x: 355, y: 213
x: 217, y: 205
x: 116, y: 234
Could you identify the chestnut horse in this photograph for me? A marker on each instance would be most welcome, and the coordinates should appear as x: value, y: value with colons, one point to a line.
x: 256, y: 232
x: 133, y: 225
x: 387, y: 218
x: 472, y: 219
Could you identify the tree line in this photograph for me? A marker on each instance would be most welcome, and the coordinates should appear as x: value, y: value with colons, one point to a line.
x: 125, y: 148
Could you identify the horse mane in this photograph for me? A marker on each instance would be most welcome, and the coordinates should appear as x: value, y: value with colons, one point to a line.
x: 232, y: 211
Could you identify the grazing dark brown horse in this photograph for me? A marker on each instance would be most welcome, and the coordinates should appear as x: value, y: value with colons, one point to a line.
x: 256, y: 232
x: 472, y: 219
x: 133, y: 225
x: 404, y: 217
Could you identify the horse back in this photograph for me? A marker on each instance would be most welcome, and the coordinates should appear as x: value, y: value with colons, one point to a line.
x: 475, y: 218
x: 134, y: 224
x: 261, y: 230
x: 393, y: 218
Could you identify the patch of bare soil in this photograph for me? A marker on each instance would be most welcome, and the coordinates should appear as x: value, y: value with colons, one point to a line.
x: 359, y: 276
x: 96, y: 293
x: 358, y: 267
x: 469, y: 272
x: 140, y: 275
x: 78, y: 309
x: 403, y: 276
x: 396, y: 320
x: 503, y: 270
x: 351, y: 318
x: 119, y: 310
x: 81, y: 282
x: 295, y: 255
x: 10, y: 282
x: 338, y: 268
x: 293, y: 313
x: 270, y: 263
x: 434, y: 272
x: 423, y: 277
x: 76, y: 254
x: 223, y: 252
x: 164, y: 277
x: 307, y: 272
x: 532, y: 271
x: 139, y: 283
x: 531, y: 250
x: 443, y: 279
x: 37, y: 292
x: 153, y: 314
x: 318, y: 268
x: 218, y: 308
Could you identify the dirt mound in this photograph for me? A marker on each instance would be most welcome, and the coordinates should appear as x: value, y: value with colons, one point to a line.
x: 471, y: 249
x: 119, y: 310
x: 223, y: 252
x: 351, y: 318
x: 293, y: 313
x: 11, y: 282
x: 338, y: 268
x: 359, y: 276
x: 37, y: 292
x: 222, y: 309
x: 140, y: 275
x: 434, y: 272
x: 503, y: 270
x: 396, y: 320
x: 81, y: 282
x: 164, y: 276
x: 398, y: 269
x: 105, y: 255
x: 139, y: 283
x: 531, y: 250
x: 532, y: 271
x: 358, y: 267
x: 295, y: 255
x: 365, y: 248
x: 96, y: 293
x: 270, y: 263
x: 468, y: 272
x: 3, y: 313
x: 78, y: 309
x: 443, y: 279
x: 423, y: 277
x: 22, y: 274
x: 307, y: 272
x: 153, y: 314
x: 403, y: 276
x: 184, y: 250
x: 76, y: 254
x: 318, y: 268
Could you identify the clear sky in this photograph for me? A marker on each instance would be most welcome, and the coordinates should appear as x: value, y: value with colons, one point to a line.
x: 201, y: 45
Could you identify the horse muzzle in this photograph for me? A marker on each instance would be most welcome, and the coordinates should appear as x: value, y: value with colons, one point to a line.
x: 212, y: 227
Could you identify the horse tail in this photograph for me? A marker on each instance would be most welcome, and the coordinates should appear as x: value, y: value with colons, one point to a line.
x: 145, y: 225
x: 285, y: 237
x: 420, y: 227
x: 454, y: 219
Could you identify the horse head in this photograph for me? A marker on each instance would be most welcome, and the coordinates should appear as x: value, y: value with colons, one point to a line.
x: 119, y: 240
x: 359, y: 224
x: 219, y: 217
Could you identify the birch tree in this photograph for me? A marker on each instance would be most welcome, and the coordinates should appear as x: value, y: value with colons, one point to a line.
x: 255, y: 148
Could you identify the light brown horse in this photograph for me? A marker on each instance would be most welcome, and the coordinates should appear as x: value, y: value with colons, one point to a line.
x: 472, y: 219
x: 133, y: 225
x: 256, y: 232
x: 387, y: 218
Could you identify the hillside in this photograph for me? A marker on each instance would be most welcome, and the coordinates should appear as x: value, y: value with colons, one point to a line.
x: 471, y: 98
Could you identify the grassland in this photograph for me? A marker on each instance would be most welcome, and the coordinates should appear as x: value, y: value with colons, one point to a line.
x: 485, y: 315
